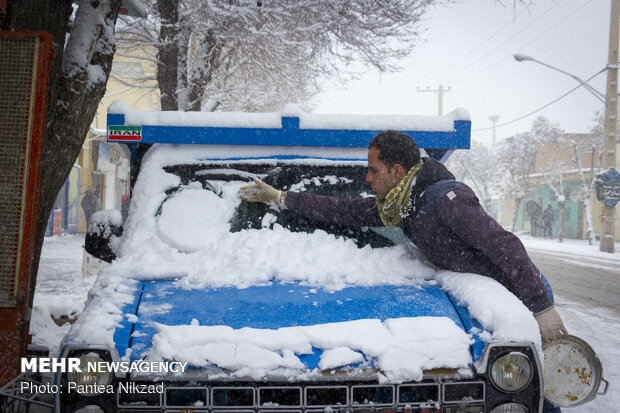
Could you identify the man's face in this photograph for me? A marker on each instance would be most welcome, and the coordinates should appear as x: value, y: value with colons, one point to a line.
x: 378, y: 175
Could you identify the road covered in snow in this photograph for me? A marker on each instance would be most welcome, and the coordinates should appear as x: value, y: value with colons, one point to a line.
x: 62, y: 291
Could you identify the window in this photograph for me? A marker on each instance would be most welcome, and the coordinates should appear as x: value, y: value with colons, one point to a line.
x: 335, y: 180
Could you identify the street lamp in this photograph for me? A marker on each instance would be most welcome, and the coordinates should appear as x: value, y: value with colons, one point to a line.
x: 520, y: 57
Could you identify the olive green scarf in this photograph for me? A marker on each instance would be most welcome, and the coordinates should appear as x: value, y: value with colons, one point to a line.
x: 395, y: 206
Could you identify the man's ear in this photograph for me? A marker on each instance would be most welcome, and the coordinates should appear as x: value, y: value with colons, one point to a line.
x: 399, y: 171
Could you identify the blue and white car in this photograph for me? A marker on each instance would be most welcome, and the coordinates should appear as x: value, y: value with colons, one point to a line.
x: 216, y: 305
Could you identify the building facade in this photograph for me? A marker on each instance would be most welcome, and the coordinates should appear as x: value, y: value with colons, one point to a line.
x: 562, y: 175
x: 103, y: 167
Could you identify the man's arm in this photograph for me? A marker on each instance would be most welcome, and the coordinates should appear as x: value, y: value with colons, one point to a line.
x: 357, y: 212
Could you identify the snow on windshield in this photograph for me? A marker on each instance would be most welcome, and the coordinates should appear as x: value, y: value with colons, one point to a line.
x: 188, y: 238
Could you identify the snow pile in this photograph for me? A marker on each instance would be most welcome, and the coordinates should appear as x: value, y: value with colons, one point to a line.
x: 107, y: 217
x: 502, y: 314
x: 188, y: 238
x: 60, y: 291
x: 399, y: 347
x: 45, y: 331
x: 103, y: 312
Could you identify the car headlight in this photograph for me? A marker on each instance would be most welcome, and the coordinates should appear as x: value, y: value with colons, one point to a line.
x: 89, y: 382
x: 511, y: 372
x: 510, y: 408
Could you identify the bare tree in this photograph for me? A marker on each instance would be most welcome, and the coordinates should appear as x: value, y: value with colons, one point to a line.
x: 478, y: 167
x: 555, y: 181
x: 583, y: 155
x: 517, y: 156
x: 592, y: 147
x: 551, y: 135
x: 258, y: 55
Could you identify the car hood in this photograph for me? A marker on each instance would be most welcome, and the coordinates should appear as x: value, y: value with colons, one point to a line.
x: 164, y: 313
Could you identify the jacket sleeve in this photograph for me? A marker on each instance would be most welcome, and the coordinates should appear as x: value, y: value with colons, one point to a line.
x: 357, y: 212
x: 461, y: 211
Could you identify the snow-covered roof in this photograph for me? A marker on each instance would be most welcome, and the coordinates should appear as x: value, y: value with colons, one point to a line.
x: 288, y: 127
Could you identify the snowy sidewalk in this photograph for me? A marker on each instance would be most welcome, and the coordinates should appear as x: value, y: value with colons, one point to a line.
x: 61, y: 290
x: 573, y: 247
x: 575, y: 252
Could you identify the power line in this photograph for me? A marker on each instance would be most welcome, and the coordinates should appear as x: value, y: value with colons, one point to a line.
x: 554, y: 26
x: 457, y: 80
x: 470, y: 52
x: 542, y: 107
x: 502, y: 44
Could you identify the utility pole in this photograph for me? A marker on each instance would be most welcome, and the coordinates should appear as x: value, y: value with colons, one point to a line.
x: 440, y: 92
x: 493, y: 119
x: 611, y: 124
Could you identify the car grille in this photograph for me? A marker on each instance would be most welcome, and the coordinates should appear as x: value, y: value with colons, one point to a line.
x: 416, y: 397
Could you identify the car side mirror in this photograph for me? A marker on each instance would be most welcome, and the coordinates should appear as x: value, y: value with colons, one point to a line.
x: 102, y: 226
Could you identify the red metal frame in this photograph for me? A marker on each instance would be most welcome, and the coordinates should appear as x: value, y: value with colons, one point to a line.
x: 15, y: 321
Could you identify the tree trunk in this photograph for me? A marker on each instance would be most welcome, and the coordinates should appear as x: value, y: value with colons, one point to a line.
x: 515, y: 216
x: 562, y: 208
x: 587, y: 206
x: 203, y: 71
x: 185, y: 33
x: 168, y: 54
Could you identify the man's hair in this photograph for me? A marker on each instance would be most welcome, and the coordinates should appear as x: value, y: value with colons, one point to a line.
x: 396, y: 148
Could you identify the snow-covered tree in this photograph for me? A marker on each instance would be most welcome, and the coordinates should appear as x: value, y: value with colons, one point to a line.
x: 553, y: 175
x: 592, y: 149
x: 258, y: 55
x: 478, y: 167
x: 517, y: 156
x: 554, y: 179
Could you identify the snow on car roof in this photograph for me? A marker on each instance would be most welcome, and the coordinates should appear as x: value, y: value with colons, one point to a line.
x: 289, y: 127
x: 274, y: 119
x: 190, y: 240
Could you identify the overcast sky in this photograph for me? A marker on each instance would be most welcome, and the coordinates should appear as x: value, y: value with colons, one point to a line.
x: 468, y: 48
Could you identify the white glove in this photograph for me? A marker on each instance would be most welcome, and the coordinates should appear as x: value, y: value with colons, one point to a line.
x: 261, y: 192
x: 550, y: 325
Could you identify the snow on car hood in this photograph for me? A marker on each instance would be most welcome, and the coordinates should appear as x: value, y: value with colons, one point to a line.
x: 289, y: 329
x: 202, y: 256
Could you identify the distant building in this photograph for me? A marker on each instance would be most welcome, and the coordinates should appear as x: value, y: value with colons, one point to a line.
x: 102, y: 165
x: 552, y: 163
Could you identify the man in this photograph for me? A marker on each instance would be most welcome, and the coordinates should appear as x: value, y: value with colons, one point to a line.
x: 439, y: 214
x: 548, y: 221
x: 534, y: 212
x: 90, y: 204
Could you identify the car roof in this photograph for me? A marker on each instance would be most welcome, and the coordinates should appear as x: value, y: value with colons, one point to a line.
x: 290, y: 127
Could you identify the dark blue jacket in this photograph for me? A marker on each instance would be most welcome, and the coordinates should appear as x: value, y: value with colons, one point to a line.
x: 448, y: 224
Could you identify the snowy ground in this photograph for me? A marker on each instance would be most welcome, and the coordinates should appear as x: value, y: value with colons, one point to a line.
x: 61, y: 291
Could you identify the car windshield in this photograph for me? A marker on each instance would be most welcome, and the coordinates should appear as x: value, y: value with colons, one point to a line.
x: 337, y: 180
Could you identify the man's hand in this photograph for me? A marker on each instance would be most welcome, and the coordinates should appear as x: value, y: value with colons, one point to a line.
x: 260, y: 192
x: 550, y: 325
